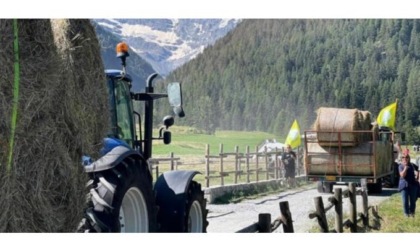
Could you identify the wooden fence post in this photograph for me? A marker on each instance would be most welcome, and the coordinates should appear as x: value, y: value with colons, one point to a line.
x: 276, y: 165
x: 365, y: 216
x: 207, y: 165
x: 247, y: 163
x: 353, y: 207
x: 266, y: 163
x: 222, y: 180
x: 320, y: 212
x: 338, y: 207
x: 297, y: 161
x: 257, y: 169
x: 365, y: 208
x: 236, y: 163
x: 264, y: 223
x: 286, y: 217
x: 280, y: 165
x: 172, y: 161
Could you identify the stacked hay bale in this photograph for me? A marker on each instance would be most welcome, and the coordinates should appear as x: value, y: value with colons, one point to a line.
x: 333, y: 120
x: 348, y: 122
x: 365, y: 123
x: 61, y: 114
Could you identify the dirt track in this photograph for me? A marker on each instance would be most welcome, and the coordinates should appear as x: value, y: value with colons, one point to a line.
x: 230, y: 218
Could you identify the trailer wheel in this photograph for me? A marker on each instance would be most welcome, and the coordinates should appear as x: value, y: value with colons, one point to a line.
x: 324, y: 187
x: 375, y: 188
x: 396, y: 174
x: 393, y: 179
x: 319, y: 187
x: 122, y: 200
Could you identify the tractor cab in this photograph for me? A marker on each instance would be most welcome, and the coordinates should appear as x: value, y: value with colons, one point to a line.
x: 121, y: 106
x: 386, y: 134
x: 123, y: 123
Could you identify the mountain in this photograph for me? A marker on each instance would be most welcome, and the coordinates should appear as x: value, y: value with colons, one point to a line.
x: 137, y: 67
x: 168, y: 43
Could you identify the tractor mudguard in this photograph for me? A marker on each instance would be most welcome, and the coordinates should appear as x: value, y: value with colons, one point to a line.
x: 111, y: 159
x: 171, y: 197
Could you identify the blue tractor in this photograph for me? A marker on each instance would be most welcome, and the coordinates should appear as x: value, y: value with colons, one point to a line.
x: 122, y: 195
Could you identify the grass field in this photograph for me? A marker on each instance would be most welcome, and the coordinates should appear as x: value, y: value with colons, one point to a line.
x: 393, y: 219
x: 185, y: 141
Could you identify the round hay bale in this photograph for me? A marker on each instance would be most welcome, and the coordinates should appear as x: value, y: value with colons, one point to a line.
x: 334, y: 120
x: 62, y: 114
x: 327, y: 161
x: 366, y: 120
x: 365, y: 123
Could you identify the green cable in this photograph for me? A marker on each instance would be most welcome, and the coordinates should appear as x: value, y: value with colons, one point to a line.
x: 15, y: 92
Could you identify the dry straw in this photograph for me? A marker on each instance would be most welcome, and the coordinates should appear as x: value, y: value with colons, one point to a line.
x: 62, y: 114
x: 333, y: 120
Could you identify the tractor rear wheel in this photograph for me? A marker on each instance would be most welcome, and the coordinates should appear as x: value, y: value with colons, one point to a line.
x: 196, y: 217
x: 122, y: 200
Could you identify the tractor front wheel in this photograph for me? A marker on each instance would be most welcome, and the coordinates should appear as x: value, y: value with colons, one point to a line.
x: 196, y: 216
x: 122, y: 200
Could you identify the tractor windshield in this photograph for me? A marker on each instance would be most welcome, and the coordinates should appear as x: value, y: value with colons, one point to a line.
x: 124, y: 111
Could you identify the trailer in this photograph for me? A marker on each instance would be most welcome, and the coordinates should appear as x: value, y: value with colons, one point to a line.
x: 339, y: 155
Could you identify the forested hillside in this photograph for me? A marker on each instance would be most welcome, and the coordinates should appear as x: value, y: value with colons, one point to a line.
x: 266, y: 73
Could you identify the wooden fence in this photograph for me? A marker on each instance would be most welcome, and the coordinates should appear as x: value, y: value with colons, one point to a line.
x: 236, y: 167
x: 264, y: 224
x: 336, y: 202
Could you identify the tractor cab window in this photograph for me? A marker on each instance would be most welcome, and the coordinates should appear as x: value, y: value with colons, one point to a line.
x: 124, y: 112
x: 385, y: 134
x: 385, y: 137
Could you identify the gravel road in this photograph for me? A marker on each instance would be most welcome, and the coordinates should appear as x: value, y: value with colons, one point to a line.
x: 229, y: 218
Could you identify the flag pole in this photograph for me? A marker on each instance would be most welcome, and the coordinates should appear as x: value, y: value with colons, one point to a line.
x: 393, y: 133
x: 396, y: 109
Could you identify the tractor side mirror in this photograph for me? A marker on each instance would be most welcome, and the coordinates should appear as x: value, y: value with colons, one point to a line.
x: 168, y: 121
x: 175, y: 98
x: 167, y: 137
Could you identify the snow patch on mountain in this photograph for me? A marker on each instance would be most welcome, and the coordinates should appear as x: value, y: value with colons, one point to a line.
x: 168, y: 43
x: 149, y: 35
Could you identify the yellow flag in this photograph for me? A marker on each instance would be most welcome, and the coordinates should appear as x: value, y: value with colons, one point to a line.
x: 293, y: 138
x: 386, y: 117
